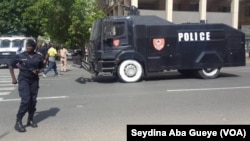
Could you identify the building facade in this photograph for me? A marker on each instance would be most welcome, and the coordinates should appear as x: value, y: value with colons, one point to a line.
x: 235, y: 13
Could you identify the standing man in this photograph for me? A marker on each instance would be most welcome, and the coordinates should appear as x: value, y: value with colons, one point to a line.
x: 44, y: 49
x: 63, y: 58
x: 30, y: 65
x: 51, y: 57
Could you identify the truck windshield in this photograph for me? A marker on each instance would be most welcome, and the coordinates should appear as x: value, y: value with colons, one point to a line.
x: 95, y: 30
x: 5, y: 44
x: 17, y: 43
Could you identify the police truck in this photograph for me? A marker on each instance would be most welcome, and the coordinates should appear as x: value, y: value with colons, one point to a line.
x: 133, y: 47
x: 10, y: 45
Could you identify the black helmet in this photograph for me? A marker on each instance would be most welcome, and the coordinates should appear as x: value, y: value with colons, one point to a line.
x: 31, y: 42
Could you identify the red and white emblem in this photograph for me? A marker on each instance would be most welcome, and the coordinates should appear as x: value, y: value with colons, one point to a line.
x: 159, y: 43
x: 116, y: 42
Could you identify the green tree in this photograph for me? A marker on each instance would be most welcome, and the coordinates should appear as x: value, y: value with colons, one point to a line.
x: 83, y: 13
x: 64, y: 21
x: 51, y: 17
x: 59, y: 20
x: 11, y: 19
x: 34, y: 18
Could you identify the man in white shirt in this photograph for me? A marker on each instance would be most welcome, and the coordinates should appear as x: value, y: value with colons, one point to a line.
x: 63, y: 58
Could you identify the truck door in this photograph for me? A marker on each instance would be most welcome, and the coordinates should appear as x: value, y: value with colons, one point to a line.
x: 161, y: 50
x: 235, y: 51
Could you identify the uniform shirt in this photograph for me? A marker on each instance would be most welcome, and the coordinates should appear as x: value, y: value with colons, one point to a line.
x: 43, y: 50
x: 63, y: 53
x: 26, y: 64
x: 52, y: 52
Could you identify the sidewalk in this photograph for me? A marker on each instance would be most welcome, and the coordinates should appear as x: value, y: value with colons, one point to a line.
x: 247, y: 58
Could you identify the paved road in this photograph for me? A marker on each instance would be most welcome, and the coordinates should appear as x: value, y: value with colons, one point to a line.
x: 76, y: 108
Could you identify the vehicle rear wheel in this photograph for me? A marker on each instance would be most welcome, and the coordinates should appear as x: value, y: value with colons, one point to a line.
x: 208, y: 73
x: 130, y: 71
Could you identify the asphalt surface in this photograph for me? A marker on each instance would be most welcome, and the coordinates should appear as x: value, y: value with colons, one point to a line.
x: 76, y: 107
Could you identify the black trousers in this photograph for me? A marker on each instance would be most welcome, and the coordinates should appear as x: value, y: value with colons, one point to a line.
x: 28, y: 90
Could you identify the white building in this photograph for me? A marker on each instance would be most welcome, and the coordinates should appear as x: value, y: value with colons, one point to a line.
x: 235, y: 13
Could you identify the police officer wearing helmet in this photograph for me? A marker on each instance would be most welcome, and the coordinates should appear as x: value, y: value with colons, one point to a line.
x: 30, y: 64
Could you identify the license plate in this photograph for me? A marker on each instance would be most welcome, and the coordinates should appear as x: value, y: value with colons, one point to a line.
x: 6, y: 53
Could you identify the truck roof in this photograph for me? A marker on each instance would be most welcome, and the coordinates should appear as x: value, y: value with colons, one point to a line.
x: 14, y: 38
x: 150, y: 20
x: 154, y: 21
x: 144, y: 20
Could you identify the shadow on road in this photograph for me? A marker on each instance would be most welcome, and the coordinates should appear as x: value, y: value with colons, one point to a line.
x: 155, y: 77
x: 176, y: 76
x: 42, y: 115
x: 97, y: 79
x: 4, y: 134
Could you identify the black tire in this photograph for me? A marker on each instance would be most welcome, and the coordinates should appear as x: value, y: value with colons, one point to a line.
x: 130, y: 71
x: 208, y: 73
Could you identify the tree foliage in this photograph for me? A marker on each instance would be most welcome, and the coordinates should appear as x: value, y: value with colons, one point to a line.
x: 64, y: 21
x: 11, y: 19
x: 83, y: 13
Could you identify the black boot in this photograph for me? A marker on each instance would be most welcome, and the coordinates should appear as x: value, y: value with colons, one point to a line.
x: 31, y: 123
x: 19, y: 126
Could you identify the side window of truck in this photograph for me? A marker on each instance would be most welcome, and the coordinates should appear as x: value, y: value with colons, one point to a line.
x: 119, y: 31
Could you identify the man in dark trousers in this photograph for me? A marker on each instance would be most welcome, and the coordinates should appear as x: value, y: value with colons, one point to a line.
x: 30, y: 64
x: 51, y: 57
x: 44, y: 49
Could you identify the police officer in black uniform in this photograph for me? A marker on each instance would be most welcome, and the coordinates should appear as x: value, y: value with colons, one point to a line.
x: 30, y: 64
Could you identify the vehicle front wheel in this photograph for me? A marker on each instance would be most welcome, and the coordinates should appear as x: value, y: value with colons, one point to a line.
x: 130, y: 71
x: 208, y: 73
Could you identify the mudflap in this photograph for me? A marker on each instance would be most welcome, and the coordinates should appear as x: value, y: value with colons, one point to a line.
x: 88, y: 67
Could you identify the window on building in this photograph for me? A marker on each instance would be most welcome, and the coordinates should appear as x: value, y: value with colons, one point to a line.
x: 186, y: 5
x: 224, y: 9
x: 151, y: 4
x: 194, y: 7
x: 219, y: 6
x: 248, y: 13
x: 148, y: 6
x: 177, y: 7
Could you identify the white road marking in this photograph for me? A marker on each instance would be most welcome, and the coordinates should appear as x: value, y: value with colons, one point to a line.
x: 7, y: 89
x: 5, y: 81
x: 209, y: 89
x: 6, y: 85
x: 245, y: 71
x: 53, y: 97
x: 4, y: 93
x: 39, y: 98
x: 3, y: 76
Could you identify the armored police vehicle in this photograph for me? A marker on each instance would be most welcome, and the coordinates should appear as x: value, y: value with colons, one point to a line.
x: 132, y: 47
x: 10, y: 45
